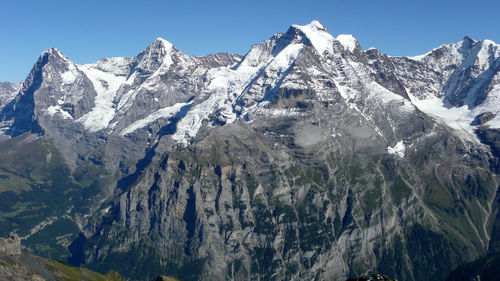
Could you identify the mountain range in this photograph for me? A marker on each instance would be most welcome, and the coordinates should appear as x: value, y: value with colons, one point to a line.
x: 308, y: 158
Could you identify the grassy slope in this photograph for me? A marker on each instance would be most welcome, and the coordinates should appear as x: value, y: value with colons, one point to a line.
x: 30, y: 267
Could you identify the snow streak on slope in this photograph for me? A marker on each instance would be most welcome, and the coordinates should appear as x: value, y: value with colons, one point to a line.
x: 106, y: 84
x: 166, y: 112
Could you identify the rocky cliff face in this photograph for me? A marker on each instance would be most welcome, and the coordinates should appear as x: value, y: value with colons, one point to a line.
x: 308, y: 158
x: 285, y: 212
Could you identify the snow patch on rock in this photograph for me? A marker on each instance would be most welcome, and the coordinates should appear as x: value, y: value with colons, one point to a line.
x: 56, y: 110
x: 398, y: 149
x: 69, y: 77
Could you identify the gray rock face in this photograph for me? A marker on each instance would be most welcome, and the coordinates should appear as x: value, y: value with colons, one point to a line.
x: 483, y: 118
x: 308, y: 158
x: 7, y: 92
x: 10, y: 245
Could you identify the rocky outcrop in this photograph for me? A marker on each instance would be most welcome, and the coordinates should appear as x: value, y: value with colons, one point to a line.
x: 483, y: 118
x: 10, y: 245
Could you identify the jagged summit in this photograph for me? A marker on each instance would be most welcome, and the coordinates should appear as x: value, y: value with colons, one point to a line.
x: 322, y: 40
x: 118, y: 81
x: 159, y: 47
x: 157, y: 56
x: 468, y: 38
x: 315, y: 24
x: 457, y: 49
x: 160, y: 39
x: 160, y: 43
x: 52, y: 51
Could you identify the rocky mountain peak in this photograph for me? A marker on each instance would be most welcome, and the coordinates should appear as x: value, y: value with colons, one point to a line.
x: 54, y: 55
x: 53, y: 51
x: 316, y: 35
x: 159, y: 53
x: 313, y: 25
x: 160, y: 43
x: 54, y: 61
x: 468, y: 39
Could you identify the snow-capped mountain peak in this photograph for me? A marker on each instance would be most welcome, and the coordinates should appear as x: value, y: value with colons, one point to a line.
x: 159, y: 53
x: 162, y: 41
x: 322, y: 40
x: 347, y: 41
x: 54, y: 52
x: 318, y: 36
x: 316, y: 25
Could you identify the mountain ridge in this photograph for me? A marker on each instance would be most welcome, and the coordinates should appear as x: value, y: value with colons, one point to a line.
x: 315, y: 30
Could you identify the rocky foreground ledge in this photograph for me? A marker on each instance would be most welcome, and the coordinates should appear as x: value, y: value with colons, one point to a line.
x: 18, y: 265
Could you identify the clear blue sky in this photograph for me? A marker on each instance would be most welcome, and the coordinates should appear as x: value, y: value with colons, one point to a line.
x: 86, y: 31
